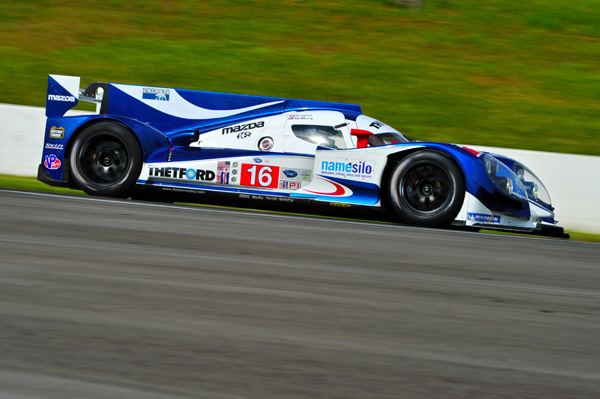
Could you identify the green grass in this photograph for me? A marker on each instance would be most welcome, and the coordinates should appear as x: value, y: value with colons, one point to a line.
x: 490, y: 72
x: 31, y: 184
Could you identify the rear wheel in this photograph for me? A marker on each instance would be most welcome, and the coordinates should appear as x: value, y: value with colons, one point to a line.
x: 106, y: 160
x: 427, y: 189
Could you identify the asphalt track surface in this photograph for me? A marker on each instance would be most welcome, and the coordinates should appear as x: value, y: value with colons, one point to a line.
x: 124, y: 299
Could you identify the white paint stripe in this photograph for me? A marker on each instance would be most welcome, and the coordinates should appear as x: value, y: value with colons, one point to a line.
x: 181, y: 108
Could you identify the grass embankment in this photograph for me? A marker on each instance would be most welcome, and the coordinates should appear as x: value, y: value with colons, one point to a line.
x: 494, y: 72
x: 31, y: 184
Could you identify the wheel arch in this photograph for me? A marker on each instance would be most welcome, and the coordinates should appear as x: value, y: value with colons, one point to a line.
x: 149, y: 139
x: 93, y: 122
x: 111, y: 137
x: 397, y: 157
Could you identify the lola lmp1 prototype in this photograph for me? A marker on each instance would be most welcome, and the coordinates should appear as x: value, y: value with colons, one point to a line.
x: 145, y: 138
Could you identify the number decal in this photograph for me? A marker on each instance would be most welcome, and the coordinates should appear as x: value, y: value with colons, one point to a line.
x: 264, y: 176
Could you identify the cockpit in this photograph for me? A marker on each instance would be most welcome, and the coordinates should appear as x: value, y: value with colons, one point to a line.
x: 324, y: 136
x: 330, y: 137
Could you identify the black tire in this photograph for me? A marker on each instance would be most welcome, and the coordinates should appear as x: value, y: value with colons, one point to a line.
x: 427, y: 189
x: 106, y: 160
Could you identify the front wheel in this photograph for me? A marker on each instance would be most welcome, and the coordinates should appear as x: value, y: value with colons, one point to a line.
x: 105, y: 160
x: 427, y: 189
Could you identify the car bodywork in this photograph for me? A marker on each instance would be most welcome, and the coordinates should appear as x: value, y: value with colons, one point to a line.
x: 281, y: 150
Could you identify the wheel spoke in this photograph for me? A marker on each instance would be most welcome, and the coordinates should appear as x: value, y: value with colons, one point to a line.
x: 426, y: 187
x: 104, y: 160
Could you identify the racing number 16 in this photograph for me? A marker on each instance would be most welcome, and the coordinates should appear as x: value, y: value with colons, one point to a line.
x: 260, y: 176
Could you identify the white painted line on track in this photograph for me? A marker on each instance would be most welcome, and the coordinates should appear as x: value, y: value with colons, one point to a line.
x: 259, y: 213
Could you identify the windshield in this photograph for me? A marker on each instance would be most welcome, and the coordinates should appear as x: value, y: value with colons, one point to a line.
x: 325, y: 136
x: 380, y: 139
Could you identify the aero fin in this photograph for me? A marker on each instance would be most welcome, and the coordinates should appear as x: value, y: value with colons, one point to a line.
x: 63, y: 94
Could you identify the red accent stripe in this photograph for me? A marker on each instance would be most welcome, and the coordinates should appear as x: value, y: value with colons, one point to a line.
x: 340, y: 190
x: 472, y: 151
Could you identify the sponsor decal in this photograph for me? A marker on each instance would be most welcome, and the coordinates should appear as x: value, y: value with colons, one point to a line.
x: 183, y: 173
x: 51, y: 162
x: 254, y: 197
x: 290, y: 185
x: 301, y: 117
x: 257, y: 160
x: 57, y: 132
x: 348, y: 168
x: 483, y: 217
x: 241, y: 128
x: 151, y: 93
x: 68, y: 99
x: 223, y: 168
x: 52, y: 146
x: 190, y: 174
x: 296, y: 174
x: 340, y: 205
x: 183, y: 190
x: 376, y: 125
x: 305, y: 175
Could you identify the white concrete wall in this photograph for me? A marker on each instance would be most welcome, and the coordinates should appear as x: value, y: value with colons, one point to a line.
x: 572, y: 180
x: 21, y: 139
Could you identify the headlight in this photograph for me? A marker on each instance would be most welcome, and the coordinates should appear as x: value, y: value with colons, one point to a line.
x: 491, y: 165
x: 504, y: 178
x: 535, y: 189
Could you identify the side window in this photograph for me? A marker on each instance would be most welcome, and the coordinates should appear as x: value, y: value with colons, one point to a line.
x: 325, y: 136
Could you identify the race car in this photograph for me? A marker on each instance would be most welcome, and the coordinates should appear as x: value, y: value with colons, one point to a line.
x: 157, y: 139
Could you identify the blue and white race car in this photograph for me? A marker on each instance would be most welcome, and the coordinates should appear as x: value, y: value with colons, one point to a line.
x: 157, y: 139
